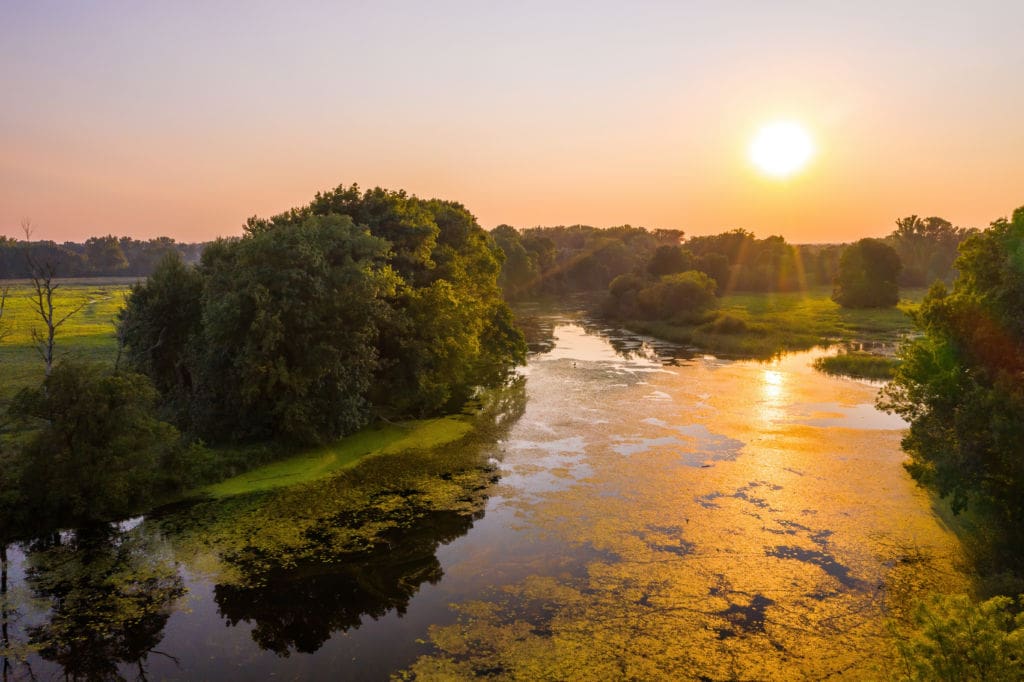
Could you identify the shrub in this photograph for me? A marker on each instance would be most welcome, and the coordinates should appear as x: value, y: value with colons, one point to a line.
x: 727, y: 324
x: 957, y: 639
x: 678, y: 295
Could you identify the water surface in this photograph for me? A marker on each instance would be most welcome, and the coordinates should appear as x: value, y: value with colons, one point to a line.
x: 627, y: 509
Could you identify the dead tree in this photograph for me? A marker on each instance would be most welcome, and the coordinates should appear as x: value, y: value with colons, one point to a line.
x: 5, y: 329
x: 42, y: 275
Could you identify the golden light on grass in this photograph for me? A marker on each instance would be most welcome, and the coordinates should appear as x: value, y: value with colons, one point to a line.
x: 781, y: 149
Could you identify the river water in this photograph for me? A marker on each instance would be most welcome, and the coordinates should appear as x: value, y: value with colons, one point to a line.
x: 625, y: 510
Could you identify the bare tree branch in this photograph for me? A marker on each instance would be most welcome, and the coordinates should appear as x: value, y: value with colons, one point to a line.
x: 5, y: 329
x: 42, y: 274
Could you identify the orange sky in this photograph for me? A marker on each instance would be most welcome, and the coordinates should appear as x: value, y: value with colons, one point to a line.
x: 184, y: 119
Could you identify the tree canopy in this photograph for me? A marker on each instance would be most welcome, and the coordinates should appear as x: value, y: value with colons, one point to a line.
x: 867, y: 275
x: 960, y: 384
x: 98, y: 448
x: 355, y: 305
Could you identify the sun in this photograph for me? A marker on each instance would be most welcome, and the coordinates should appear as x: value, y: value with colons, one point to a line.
x: 781, y: 149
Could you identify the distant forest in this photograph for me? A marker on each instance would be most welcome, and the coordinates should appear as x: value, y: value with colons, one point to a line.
x: 107, y: 256
x: 558, y: 260
x: 565, y: 259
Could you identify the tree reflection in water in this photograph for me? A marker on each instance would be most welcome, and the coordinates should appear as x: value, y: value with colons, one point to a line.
x: 303, y: 563
x: 109, y: 594
x: 298, y: 609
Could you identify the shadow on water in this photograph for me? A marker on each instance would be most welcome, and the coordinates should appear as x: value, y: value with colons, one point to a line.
x: 297, y: 564
x: 361, y: 544
x: 104, y: 597
x: 299, y: 609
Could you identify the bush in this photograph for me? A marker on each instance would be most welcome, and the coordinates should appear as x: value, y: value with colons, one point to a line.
x: 956, y: 639
x: 677, y: 296
x: 727, y: 324
x: 623, y: 284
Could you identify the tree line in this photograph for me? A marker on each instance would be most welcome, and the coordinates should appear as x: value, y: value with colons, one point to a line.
x: 107, y: 256
x: 557, y: 260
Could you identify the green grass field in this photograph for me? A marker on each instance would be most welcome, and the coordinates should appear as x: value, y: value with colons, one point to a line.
x: 383, y: 439
x: 87, y: 335
x: 775, y: 323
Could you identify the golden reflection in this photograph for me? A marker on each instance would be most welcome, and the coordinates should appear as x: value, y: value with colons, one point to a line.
x: 773, y: 396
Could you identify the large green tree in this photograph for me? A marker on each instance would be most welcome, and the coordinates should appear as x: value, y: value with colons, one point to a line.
x: 961, y: 384
x: 449, y: 329
x: 867, y: 275
x: 356, y: 305
x: 161, y: 319
x: 290, y: 324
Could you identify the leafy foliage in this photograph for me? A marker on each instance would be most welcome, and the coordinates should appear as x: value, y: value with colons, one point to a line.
x: 682, y: 295
x: 161, y: 317
x: 289, y: 331
x: 668, y: 260
x: 867, y: 275
x: 97, y: 452
x: 358, y: 303
x: 960, y: 386
x: 927, y: 248
x: 956, y: 639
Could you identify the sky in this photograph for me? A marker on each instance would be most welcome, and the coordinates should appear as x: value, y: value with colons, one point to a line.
x: 183, y: 119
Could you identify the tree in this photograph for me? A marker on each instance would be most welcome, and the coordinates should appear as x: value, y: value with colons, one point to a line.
x: 959, y: 385
x: 927, y: 247
x: 43, y: 274
x: 104, y: 255
x: 677, y: 296
x: 291, y: 318
x: 158, y: 327
x: 867, y: 275
x: 359, y: 304
x: 957, y: 639
x: 97, y: 449
x: 715, y: 266
x: 519, y: 272
x: 668, y: 260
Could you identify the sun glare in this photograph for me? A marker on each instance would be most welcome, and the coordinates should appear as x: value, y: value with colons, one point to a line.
x: 781, y: 149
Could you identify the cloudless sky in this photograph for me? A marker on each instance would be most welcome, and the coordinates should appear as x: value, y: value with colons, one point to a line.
x: 184, y: 118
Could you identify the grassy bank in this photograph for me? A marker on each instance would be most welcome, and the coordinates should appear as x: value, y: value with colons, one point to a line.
x: 763, y: 325
x: 383, y: 439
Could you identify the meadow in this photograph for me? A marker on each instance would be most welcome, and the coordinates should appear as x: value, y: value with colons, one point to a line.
x: 86, y: 335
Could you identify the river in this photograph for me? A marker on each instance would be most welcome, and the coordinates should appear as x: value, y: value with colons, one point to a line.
x: 624, y: 510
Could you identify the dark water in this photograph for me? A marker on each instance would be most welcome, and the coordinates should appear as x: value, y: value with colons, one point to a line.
x: 625, y: 510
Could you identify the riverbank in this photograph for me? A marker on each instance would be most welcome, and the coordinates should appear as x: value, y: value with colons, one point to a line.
x: 310, y: 465
x: 765, y: 325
